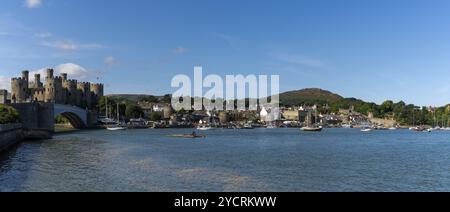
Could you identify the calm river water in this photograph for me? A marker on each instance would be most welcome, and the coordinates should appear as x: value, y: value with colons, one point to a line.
x: 231, y: 160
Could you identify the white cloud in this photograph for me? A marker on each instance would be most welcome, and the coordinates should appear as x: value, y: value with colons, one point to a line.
x: 180, y: 50
x: 32, y: 4
x: 73, y: 71
x: 5, y: 83
x: 110, y: 61
x: 70, y: 45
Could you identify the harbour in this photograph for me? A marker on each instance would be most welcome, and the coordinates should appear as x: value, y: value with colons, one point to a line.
x: 230, y: 160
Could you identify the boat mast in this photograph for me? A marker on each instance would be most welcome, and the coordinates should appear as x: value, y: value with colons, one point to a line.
x: 106, y: 109
x: 118, y: 113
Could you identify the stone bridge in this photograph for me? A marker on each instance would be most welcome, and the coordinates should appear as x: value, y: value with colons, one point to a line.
x: 77, y: 117
x: 38, y: 119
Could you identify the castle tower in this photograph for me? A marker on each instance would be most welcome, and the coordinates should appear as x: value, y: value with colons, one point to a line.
x: 97, y: 93
x: 25, y: 76
x: 37, y: 81
x: 64, y: 76
x: 97, y: 89
x: 71, y: 91
x: 19, y: 90
x: 49, y: 73
x: 53, y: 88
x: 84, y: 90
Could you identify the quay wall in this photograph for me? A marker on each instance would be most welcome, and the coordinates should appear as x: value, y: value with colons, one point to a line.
x: 10, y: 135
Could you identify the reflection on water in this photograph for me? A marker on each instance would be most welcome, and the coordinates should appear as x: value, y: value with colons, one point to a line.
x: 231, y: 160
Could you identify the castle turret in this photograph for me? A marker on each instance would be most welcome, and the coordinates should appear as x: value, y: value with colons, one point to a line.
x: 64, y: 76
x: 49, y: 73
x: 19, y: 90
x: 37, y: 81
x: 25, y: 75
x: 53, y: 88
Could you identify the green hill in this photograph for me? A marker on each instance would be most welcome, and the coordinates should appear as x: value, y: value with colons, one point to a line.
x: 309, y: 96
x: 140, y: 97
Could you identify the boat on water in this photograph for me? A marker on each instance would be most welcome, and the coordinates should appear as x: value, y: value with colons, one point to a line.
x: 116, y: 128
x: 248, y: 127
x: 312, y: 129
x: 366, y: 130
x: 204, y: 128
x: 417, y: 129
x: 188, y: 136
x: 393, y: 128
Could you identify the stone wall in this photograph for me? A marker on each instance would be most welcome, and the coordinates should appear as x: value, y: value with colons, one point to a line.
x: 10, y: 135
x: 37, y: 119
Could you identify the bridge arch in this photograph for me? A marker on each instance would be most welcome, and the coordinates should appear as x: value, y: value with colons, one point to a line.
x: 76, y: 116
x: 74, y: 120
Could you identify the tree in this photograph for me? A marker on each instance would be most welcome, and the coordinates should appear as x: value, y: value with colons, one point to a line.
x: 8, y: 115
x: 151, y: 99
x: 156, y: 116
x: 387, y: 107
x: 167, y: 98
x: 133, y: 111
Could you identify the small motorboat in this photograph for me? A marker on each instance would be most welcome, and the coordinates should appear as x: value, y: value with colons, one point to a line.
x: 393, y: 128
x: 366, y: 130
x: 116, y: 128
x: 204, y: 128
x: 312, y: 129
x: 416, y: 129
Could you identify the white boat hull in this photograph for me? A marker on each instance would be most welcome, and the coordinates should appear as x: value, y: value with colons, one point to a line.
x: 116, y: 128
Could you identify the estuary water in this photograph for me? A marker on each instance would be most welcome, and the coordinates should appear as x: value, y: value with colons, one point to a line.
x: 231, y: 160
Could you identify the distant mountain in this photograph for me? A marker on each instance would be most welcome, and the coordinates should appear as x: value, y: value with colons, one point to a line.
x: 139, y: 97
x: 309, y: 96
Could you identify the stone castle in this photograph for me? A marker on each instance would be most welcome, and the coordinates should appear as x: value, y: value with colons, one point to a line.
x: 55, y: 89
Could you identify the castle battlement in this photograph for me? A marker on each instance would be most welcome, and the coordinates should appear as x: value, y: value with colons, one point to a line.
x: 84, y: 83
x: 59, y: 78
x: 18, y: 79
x: 56, y: 89
x: 71, y: 81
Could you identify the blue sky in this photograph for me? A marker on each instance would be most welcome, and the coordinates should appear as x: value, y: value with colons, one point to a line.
x: 369, y: 49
